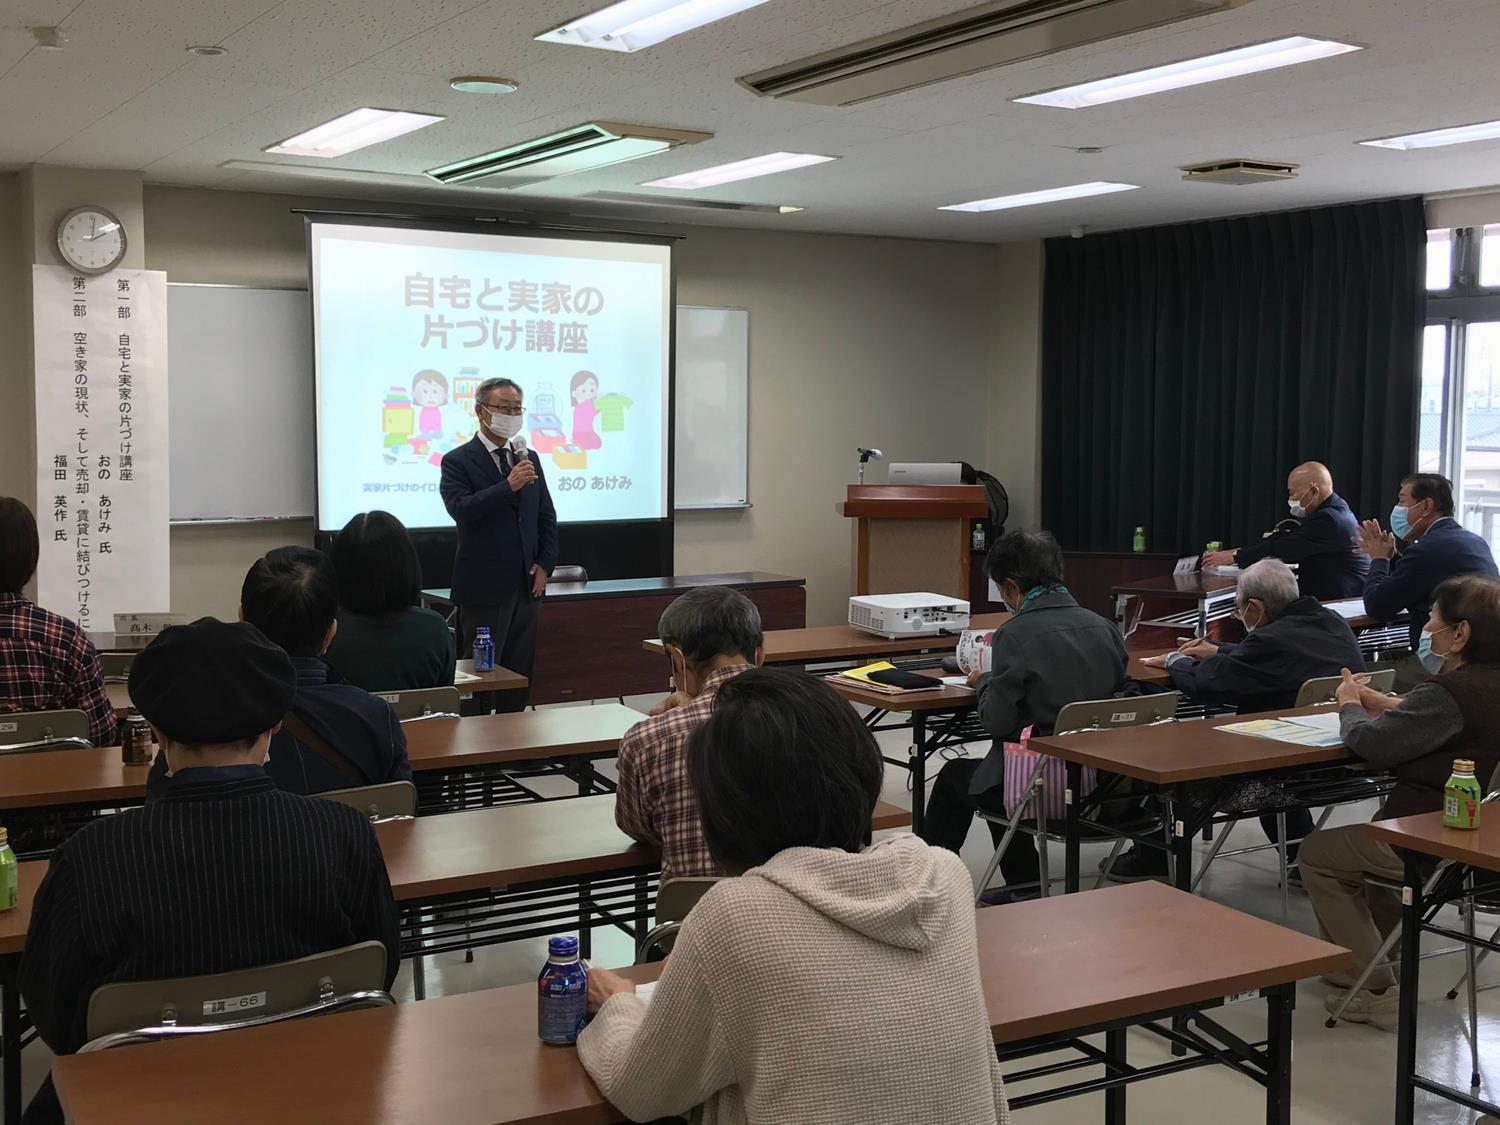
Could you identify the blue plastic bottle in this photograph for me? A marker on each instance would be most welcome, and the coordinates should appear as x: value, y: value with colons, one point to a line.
x: 562, y: 993
x: 484, y: 650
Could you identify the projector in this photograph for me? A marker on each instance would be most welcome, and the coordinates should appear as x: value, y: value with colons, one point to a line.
x: 908, y: 615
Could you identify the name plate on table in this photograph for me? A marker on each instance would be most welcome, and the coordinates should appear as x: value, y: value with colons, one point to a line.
x: 137, y: 624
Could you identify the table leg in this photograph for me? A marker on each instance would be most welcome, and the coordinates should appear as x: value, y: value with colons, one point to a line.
x: 1071, y: 828
x: 1114, y: 1099
x: 1182, y: 850
x: 585, y: 919
x: 10, y: 1037
x: 918, y: 770
x: 1411, y: 952
x: 1279, y: 1004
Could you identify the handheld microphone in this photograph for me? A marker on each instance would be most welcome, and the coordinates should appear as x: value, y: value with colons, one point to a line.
x: 518, y: 445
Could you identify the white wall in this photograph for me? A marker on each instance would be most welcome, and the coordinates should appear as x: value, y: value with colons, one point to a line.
x: 854, y: 341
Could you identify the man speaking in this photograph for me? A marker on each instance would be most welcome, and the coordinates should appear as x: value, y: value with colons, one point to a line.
x: 507, y: 532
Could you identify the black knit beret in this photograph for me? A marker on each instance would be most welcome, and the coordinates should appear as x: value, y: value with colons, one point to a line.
x: 212, y: 682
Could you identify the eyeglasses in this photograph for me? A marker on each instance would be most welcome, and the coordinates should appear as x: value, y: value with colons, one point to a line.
x: 513, y: 411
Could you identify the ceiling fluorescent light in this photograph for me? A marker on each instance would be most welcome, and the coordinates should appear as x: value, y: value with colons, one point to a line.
x: 1436, y: 138
x: 1192, y: 72
x: 594, y: 144
x: 1031, y: 198
x: 769, y: 164
x: 357, y: 129
x: 632, y: 25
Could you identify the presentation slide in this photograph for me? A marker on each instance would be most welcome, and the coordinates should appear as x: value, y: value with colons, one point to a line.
x: 408, y: 322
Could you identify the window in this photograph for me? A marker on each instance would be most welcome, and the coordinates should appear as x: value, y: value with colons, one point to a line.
x: 1489, y: 258
x: 1479, y: 479
x: 1434, y: 382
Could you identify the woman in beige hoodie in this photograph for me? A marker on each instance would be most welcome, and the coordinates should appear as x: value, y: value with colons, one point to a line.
x: 832, y: 982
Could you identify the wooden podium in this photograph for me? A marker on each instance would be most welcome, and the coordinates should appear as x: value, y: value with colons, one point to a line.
x: 913, y: 537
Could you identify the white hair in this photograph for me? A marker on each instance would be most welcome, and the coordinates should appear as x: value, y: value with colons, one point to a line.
x: 1270, y: 582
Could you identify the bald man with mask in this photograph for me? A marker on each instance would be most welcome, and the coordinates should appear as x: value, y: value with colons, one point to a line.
x: 1318, y: 538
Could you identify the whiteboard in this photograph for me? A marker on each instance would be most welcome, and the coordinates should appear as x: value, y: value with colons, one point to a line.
x: 713, y: 408
x: 240, y: 402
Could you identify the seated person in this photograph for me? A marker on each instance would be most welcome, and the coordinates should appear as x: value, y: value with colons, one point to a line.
x: 786, y: 985
x: 1319, y: 538
x: 1456, y: 714
x: 1288, y: 641
x: 711, y: 635
x: 221, y: 870
x: 385, y: 640
x: 1051, y: 653
x: 46, y: 661
x: 335, y: 735
x: 1425, y: 547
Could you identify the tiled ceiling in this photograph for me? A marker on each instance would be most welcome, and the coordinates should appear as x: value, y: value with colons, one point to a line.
x: 124, y: 93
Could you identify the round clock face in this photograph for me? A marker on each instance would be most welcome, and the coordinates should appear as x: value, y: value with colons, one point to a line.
x: 91, y: 240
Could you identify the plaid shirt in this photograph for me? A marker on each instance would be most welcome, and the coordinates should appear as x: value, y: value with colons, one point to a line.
x: 654, y: 803
x: 47, y: 663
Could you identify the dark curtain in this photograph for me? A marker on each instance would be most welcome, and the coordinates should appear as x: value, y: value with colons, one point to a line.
x: 1187, y: 369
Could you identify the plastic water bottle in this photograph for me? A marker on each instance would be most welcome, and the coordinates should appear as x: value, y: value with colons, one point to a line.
x: 562, y: 993
x: 1138, y: 543
x: 484, y: 650
x: 8, y: 873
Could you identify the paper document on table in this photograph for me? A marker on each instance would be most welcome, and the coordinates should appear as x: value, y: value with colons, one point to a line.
x: 956, y: 681
x: 644, y: 990
x: 1348, y: 610
x: 1286, y: 730
x: 1222, y: 571
x: 1327, y: 722
x: 462, y: 677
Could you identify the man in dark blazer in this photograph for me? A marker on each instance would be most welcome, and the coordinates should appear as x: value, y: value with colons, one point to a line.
x: 1319, y: 538
x: 1425, y: 547
x: 494, y: 489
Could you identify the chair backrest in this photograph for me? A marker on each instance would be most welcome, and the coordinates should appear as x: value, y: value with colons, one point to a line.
x: 674, y: 899
x: 138, y: 1011
x: 1108, y: 714
x: 388, y: 801
x: 423, y: 703
x: 23, y: 732
x: 1322, y: 688
x: 116, y: 665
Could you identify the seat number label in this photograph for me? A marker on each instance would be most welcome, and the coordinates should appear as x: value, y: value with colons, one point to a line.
x: 233, y: 1004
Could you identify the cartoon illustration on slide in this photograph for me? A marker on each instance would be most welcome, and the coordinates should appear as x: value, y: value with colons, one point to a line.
x: 429, y: 390
x: 546, y: 428
x: 585, y: 389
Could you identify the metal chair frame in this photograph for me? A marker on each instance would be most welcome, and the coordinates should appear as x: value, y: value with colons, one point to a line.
x: 46, y: 730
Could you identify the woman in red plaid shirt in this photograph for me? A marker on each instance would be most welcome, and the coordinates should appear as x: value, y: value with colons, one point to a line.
x: 46, y: 661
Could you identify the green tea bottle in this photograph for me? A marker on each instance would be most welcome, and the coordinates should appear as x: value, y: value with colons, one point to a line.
x: 1461, y: 797
x: 7, y: 873
x: 1138, y: 541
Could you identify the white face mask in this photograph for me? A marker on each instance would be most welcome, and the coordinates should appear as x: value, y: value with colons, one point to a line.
x: 1296, y: 506
x: 505, y: 425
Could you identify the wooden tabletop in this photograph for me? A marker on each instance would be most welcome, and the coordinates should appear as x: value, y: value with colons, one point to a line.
x: 475, y: 850
x: 474, y: 1059
x: 1188, y: 586
x: 498, y: 679
x: 1189, y: 751
x: 1426, y: 834
x: 845, y: 642
x: 98, y: 776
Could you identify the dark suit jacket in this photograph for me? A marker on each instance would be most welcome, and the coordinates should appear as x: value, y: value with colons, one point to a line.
x: 501, y: 533
x: 1407, y: 581
x: 1265, y: 671
x: 1322, y: 546
x: 1051, y: 654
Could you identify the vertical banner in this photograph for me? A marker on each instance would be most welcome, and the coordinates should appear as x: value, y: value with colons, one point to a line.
x: 101, y: 443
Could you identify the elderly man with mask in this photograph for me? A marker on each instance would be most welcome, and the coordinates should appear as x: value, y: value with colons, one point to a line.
x: 1289, y: 639
x: 1318, y: 538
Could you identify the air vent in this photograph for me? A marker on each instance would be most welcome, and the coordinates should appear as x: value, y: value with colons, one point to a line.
x: 970, y: 41
x: 1239, y: 171
x: 595, y: 144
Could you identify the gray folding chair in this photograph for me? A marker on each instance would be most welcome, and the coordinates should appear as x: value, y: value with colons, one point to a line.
x: 25, y: 732
x: 393, y: 800
x: 1322, y: 689
x: 115, y: 666
x: 423, y: 703
x: 674, y: 899
x: 143, y: 1011
x: 1094, y: 714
